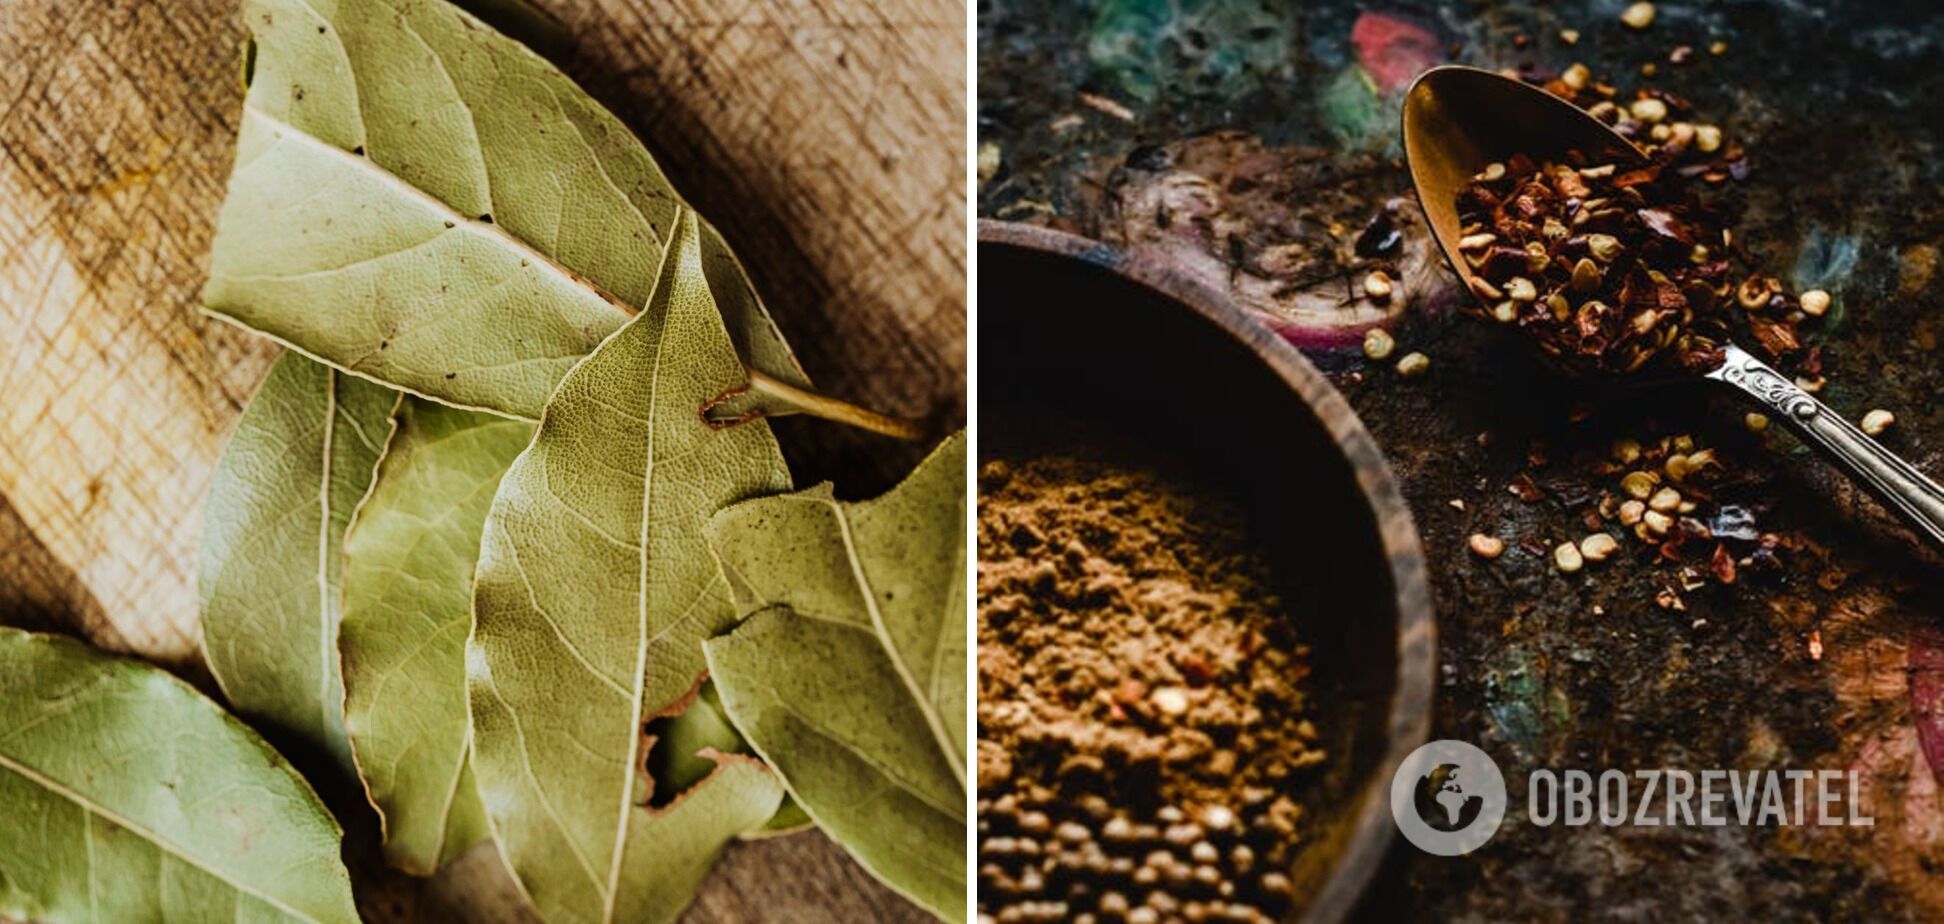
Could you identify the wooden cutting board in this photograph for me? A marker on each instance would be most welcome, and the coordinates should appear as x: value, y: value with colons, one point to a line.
x: 825, y: 137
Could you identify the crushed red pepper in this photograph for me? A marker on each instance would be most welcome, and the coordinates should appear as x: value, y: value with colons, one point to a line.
x: 1615, y: 269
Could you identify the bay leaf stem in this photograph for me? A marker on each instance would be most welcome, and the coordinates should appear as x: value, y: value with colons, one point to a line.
x: 764, y: 396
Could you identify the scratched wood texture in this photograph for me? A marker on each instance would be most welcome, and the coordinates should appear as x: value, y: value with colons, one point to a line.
x: 825, y: 137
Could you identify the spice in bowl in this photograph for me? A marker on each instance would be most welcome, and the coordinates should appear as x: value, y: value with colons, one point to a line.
x: 1142, y: 717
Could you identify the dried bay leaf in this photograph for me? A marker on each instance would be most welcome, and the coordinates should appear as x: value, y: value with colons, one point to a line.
x: 271, y: 560
x: 849, y: 676
x: 593, y: 592
x: 409, y: 556
x: 426, y: 203
x: 129, y: 796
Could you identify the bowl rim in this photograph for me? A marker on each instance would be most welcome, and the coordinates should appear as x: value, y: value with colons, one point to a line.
x: 1409, y: 719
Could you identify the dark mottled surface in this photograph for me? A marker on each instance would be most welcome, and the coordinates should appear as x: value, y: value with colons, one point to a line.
x: 1841, y: 105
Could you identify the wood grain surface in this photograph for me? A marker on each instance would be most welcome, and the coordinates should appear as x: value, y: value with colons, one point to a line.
x: 825, y: 138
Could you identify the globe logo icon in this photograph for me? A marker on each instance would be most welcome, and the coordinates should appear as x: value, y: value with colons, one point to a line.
x: 1448, y: 798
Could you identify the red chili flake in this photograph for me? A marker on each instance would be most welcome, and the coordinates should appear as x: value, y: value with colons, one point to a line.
x: 1722, y: 565
x: 1815, y: 645
x: 1195, y: 669
x: 1663, y: 223
x: 1523, y: 486
x: 1669, y: 600
x: 1777, y: 338
x: 1648, y: 302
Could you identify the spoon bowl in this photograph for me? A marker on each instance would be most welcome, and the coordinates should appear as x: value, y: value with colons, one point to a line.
x: 1457, y: 120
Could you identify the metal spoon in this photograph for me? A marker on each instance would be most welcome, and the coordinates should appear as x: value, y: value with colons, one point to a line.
x: 1459, y: 119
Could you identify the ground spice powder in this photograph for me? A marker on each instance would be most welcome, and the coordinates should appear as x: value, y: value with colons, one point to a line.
x: 1130, y: 644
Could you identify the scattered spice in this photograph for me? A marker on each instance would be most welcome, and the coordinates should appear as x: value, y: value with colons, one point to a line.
x: 990, y: 159
x: 1141, y: 712
x: 1877, y: 421
x: 1566, y: 557
x: 1377, y: 285
x: 1413, y: 365
x: 1815, y: 303
x: 1598, y: 547
x: 1378, y: 343
x: 1638, y: 15
x: 1486, y: 547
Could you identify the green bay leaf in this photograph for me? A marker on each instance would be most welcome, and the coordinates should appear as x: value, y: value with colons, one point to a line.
x: 427, y: 203
x: 593, y: 592
x: 129, y: 796
x: 849, y: 676
x: 271, y: 561
x: 409, y: 556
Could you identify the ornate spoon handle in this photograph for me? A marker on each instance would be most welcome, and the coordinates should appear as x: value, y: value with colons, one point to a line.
x: 1898, y: 484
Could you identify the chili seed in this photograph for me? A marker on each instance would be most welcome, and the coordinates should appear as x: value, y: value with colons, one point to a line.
x: 1586, y: 276
x: 1707, y: 138
x: 1649, y: 110
x: 1566, y: 557
x: 1413, y: 365
x: 1664, y: 500
x: 1597, y: 547
x: 1603, y: 247
x: 1377, y: 285
x: 1486, y: 547
x: 1378, y: 343
x: 1631, y: 511
x: 1877, y: 421
x: 1638, y: 16
x: 1756, y: 423
x: 1657, y: 522
x: 1815, y: 303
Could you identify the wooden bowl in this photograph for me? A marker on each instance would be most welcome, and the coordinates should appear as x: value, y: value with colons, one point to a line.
x: 1075, y: 336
